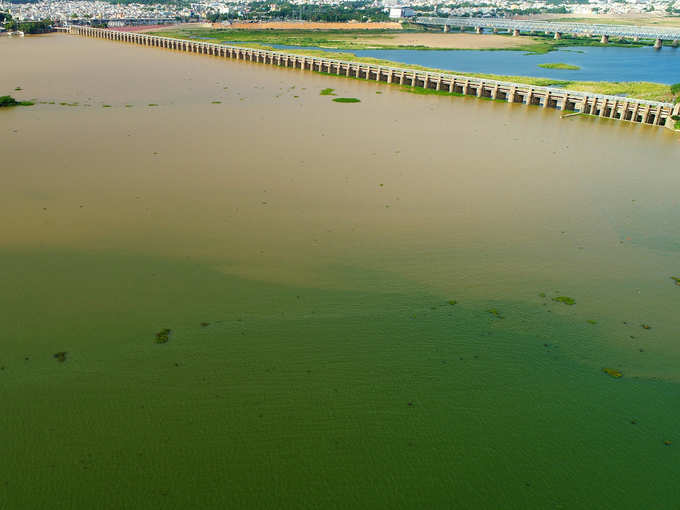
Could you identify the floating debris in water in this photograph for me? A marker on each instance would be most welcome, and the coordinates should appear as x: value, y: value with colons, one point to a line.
x: 646, y: 326
x: 612, y: 373
x: 564, y: 299
x: 60, y: 356
x: 590, y: 321
x: 667, y: 442
x: 205, y: 324
x: 453, y: 302
x: 163, y: 336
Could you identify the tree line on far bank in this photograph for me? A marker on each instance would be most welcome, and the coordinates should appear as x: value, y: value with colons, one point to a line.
x: 29, y: 27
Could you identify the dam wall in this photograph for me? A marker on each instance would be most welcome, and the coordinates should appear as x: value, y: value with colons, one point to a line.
x: 613, y: 107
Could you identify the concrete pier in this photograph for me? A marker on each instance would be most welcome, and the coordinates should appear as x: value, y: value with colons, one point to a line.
x: 658, y: 44
x: 604, y: 39
x: 612, y: 107
x: 558, y: 36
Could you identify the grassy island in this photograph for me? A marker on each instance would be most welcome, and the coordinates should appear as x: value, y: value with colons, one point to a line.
x: 560, y: 65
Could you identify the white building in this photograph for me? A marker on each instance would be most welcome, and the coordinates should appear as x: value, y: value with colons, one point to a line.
x: 401, y: 12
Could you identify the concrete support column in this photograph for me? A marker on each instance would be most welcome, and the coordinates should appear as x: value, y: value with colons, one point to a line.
x: 674, y: 44
x: 558, y: 36
x: 604, y: 39
x: 633, y: 117
x: 615, y: 106
x: 446, y: 29
x: 377, y: 77
x: 402, y: 78
x: 563, y: 103
x: 466, y: 87
x: 494, y: 92
x: 414, y: 81
x: 480, y: 89
x: 676, y: 109
x: 439, y: 83
x: 603, y: 108
x: 584, y: 104
x: 452, y: 85
x: 636, y: 39
x: 515, y: 33
x: 546, y: 102
x: 479, y: 30
x: 657, y: 116
x: 658, y: 44
x: 389, y: 76
x: 426, y: 82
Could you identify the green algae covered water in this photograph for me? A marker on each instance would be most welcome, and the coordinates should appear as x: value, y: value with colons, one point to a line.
x: 360, y: 297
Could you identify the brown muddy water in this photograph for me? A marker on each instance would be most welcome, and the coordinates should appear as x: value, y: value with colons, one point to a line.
x: 305, y: 255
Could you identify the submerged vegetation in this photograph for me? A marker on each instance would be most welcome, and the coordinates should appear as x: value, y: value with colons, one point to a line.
x: 564, y: 299
x: 560, y: 65
x: 327, y: 92
x: 346, y: 100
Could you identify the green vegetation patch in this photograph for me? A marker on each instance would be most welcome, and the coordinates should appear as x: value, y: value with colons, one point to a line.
x: 564, y: 299
x: 327, y: 92
x: 152, y: 104
x: 216, y: 102
x: 560, y: 65
x: 495, y: 313
x: 611, y: 372
x: 346, y: 100
x: 676, y: 280
x: 60, y: 356
x: 10, y: 101
x: 163, y: 336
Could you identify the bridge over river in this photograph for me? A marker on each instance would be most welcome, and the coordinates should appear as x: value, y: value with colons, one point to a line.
x: 612, y: 107
x: 657, y: 34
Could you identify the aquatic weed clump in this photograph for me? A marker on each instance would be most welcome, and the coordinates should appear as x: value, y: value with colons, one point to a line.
x: 611, y: 372
x: 676, y: 280
x: 346, y: 100
x: 10, y: 101
x: 327, y: 92
x: 163, y: 336
x: 564, y: 299
x: 60, y: 356
x: 495, y: 313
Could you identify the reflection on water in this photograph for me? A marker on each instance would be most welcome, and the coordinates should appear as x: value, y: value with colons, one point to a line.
x: 306, y: 255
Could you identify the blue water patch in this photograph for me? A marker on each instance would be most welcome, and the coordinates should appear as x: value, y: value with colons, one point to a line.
x: 596, y: 63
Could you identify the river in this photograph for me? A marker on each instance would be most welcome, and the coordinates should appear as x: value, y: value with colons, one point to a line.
x: 593, y: 63
x: 360, y: 296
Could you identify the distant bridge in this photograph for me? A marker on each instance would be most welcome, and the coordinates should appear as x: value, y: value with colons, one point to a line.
x: 658, y: 34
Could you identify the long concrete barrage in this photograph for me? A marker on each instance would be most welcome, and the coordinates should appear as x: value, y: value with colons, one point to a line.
x: 613, y: 107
